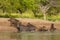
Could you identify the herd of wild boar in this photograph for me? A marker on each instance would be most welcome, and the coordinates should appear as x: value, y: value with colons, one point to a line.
x: 29, y: 27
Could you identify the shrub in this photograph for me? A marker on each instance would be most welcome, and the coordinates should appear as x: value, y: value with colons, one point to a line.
x: 39, y: 16
x: 28, y: 14
x: 51, y: 18
x: 7, y: 15
x: 15, y: 15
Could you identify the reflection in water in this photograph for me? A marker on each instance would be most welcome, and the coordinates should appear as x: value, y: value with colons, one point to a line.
x: 31, y: 36
x: 35, y: 36
x: 52, y: 37
x: 16, y: 36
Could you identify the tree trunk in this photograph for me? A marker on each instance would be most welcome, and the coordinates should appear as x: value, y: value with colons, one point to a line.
x: 44, y: 16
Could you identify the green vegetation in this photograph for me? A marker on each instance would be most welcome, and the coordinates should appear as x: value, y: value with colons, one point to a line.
x: 42, y: 9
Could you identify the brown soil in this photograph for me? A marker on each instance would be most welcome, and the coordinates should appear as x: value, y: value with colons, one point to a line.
x: 5, y: 25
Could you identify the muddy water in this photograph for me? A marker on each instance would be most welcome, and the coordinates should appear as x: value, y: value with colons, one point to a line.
x: 30, y: 36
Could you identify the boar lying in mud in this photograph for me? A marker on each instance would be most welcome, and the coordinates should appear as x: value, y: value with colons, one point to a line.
x: 29, y: 27
x: 52, y: 28
x: 13, y: 21
x: 43, y: 29
x: 17, y: 24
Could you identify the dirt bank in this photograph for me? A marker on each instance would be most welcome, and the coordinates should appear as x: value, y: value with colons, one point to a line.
x: 5, y: 25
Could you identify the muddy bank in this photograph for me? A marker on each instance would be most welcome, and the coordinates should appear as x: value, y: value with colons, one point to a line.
x: 5, y: 24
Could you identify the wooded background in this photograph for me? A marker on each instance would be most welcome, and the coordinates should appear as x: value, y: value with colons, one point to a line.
x: 42, y: 9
